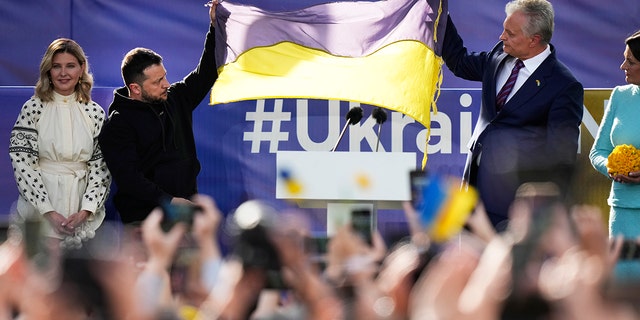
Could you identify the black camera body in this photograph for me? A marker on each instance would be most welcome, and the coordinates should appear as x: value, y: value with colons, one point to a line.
x: 256, y: 249
x: 252, y: 222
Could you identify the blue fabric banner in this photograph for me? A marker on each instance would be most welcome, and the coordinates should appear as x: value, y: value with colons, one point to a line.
x: 237, y: 142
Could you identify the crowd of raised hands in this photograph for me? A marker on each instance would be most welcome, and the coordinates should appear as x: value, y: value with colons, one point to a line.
x: 553, y: 262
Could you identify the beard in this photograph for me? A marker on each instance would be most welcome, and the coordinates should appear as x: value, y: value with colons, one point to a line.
x: 146, y: 97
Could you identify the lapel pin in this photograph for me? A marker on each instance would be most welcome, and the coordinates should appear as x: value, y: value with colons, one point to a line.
x: 538, y: 82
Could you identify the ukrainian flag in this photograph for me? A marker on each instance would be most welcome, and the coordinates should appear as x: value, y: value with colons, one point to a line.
x: 382, y: 53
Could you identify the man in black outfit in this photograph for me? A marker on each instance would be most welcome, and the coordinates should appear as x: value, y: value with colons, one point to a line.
x: 148, y: 140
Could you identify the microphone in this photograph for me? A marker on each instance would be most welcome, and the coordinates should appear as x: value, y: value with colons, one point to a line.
x: 353, y: 116
x: 380, y: 116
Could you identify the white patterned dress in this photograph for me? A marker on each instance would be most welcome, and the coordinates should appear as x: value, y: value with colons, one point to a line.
x: 57, y: 162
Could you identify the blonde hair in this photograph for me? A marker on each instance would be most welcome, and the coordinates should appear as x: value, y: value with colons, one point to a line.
x: 44, y: 87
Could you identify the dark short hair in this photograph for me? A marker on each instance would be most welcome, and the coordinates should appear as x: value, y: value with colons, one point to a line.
x: 135, y: 62
x: 633, y: 42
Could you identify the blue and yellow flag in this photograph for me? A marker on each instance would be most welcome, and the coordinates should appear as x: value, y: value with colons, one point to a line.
x: 382, y: 53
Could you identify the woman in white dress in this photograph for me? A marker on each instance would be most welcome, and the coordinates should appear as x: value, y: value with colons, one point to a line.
x: 57, y: 163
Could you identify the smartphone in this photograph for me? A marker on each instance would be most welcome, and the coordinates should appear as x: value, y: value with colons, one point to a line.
x: 630, y: 250
x: 362, y: 223
x: 34, y: 242
x: 417, y: 179
x: 32, y: 236
x: 174, y: 213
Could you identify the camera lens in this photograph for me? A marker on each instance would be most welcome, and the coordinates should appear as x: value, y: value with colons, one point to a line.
x: 252, y: 213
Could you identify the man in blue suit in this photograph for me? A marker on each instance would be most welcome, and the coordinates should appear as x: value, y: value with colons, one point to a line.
x: 529, y: 130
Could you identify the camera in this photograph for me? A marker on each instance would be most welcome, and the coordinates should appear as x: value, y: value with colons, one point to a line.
x: 251, y: 225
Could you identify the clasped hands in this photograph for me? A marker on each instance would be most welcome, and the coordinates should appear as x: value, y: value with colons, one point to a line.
x: 631, y: 177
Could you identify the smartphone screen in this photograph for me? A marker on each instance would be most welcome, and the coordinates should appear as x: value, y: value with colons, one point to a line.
x: 174, y: 213
x: 34, y: 243
x: 32, y: 237
x: 418, y: 180
x: 362, y: 223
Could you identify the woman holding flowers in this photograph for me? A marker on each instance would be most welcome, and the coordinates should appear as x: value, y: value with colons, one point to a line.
x: 615, y: 154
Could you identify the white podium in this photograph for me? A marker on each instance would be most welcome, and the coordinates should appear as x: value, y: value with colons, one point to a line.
x: 344, y: 181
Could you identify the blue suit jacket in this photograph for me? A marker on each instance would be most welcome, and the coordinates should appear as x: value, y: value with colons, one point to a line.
x: 534, y: 137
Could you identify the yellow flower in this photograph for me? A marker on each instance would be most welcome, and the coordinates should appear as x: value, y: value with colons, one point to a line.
x: 623, y: 159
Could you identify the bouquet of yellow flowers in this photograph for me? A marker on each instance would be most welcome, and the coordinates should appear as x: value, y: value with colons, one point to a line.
x: 623, y: 159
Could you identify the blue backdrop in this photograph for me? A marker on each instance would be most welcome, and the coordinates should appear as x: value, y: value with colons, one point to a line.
x: 238, y: 155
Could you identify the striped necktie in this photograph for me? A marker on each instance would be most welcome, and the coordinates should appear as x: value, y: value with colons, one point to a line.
x: 501, y: 98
